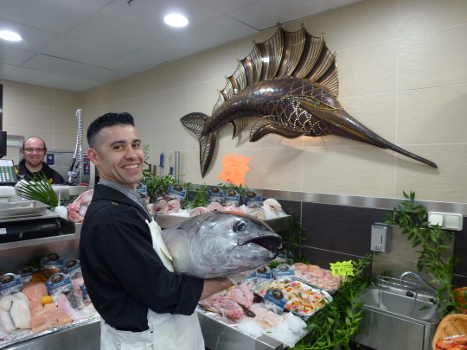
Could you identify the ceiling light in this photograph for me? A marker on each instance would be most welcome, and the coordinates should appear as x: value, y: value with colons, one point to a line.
x: 176, y: 20
x: 9, y: 35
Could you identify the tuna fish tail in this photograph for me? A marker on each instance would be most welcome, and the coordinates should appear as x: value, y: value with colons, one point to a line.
x: 196, y: 123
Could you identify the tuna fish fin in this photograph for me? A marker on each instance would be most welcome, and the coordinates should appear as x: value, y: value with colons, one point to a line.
x: 196, y: 123
x: 269, y: 126
x: 340, y: 123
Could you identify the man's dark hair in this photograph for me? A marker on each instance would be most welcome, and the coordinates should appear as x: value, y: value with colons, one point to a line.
x: 106, y: 120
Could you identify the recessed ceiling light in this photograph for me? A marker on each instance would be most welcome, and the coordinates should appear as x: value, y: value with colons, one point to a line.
x: 176, y: 20
x: 9, y: 35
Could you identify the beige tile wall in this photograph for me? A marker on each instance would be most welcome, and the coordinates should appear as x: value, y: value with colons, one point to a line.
x: 32, y: 110
x: 403, y: 73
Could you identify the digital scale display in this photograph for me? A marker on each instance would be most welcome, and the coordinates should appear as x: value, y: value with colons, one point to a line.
x: 7, y: 172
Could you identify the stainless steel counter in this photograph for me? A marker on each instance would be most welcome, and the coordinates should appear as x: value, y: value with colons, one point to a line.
x: 218, y: 336
x: 81, y: 337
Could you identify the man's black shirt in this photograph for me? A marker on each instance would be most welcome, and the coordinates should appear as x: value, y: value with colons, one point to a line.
x: 52, y: 176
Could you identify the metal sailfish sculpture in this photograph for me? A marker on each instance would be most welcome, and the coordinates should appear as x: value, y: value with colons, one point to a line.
x: 288, y: 85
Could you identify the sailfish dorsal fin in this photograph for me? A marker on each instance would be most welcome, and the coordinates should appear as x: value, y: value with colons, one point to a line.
x: 296, y: 54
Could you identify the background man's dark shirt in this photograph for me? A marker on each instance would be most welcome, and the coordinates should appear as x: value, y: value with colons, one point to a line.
x: 52, y: 176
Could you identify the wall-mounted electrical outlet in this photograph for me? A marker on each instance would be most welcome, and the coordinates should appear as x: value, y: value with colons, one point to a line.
x: 447, y: 221
x: 380, y: 237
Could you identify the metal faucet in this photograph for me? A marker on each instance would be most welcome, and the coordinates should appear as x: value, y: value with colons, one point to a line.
x: 415, y: 276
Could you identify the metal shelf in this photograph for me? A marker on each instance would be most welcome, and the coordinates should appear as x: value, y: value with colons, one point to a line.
x: 43, y: 240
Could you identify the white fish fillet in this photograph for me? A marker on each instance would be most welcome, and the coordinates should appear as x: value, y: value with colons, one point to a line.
x: 6, y: 324
x: 20, y: 313
x: 5, y: 302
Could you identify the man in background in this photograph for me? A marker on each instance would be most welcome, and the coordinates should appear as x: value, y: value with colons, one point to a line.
x: 32, y: 164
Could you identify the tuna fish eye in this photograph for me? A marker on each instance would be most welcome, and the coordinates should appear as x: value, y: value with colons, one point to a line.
x: 239, y: 226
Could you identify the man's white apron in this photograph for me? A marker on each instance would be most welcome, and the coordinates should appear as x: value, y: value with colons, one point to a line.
x: 166, y: 331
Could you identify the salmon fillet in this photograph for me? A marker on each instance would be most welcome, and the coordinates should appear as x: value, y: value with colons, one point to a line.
x: 35, y: 291
x: 48, y: 316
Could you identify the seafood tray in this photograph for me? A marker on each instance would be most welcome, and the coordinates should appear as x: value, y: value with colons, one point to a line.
x: 227, y: 331
x: 21, y: 209
x: 296, y: 296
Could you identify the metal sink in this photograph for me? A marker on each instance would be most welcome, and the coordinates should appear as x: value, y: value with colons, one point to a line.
x: 408, y: 304
x: 398, y: 315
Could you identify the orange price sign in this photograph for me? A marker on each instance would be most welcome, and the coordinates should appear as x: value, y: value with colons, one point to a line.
x: 234, y: 169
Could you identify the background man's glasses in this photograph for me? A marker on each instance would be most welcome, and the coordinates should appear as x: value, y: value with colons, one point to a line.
x: 31, y: 150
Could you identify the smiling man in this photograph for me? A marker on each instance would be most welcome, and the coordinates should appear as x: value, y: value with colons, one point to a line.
x: 126, y: 266
x: 32, y: 164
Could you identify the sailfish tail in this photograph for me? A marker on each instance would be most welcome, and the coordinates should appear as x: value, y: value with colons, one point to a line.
x: 196, y: 122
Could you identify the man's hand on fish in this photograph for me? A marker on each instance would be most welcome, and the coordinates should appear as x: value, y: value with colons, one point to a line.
x: 214, y: 285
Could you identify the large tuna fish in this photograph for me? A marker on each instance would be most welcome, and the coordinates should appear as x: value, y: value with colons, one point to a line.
x: 288, y: 85
x: 219, y: 244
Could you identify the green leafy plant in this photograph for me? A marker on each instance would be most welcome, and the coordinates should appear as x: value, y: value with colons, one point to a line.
x: 226, y: 187
x: 38, y: 189
x: 199, y: 196
x: 158, y: 185
x: 336, y: 325
x: 412, y: 218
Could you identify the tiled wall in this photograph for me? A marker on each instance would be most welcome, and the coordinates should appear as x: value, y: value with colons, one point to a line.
x: 460, y: 251
x: 402, y: 72
x: 336, y: 232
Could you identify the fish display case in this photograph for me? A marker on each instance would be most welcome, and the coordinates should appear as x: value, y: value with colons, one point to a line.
x: 84, y: 334
x: 262, y: 323
x: 222, y: 333
x: 23, y: 239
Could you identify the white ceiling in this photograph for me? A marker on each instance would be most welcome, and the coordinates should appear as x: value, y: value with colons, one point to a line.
x: 80, y: 44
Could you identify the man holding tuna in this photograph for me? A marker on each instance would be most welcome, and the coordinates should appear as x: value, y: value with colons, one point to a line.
x: 126, y: 266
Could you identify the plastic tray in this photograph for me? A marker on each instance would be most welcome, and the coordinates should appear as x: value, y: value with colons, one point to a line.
x: 266, y: 284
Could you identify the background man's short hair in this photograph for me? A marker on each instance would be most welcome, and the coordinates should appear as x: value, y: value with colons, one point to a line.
x: 106, y: 120
x: 34, y: 137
